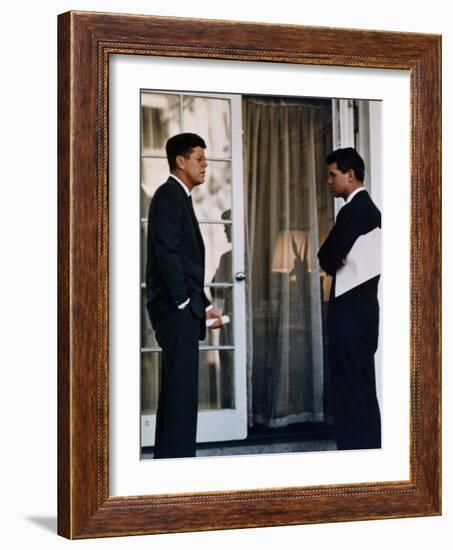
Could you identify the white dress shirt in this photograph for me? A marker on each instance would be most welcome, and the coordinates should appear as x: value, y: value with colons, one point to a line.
x: 354, y: 193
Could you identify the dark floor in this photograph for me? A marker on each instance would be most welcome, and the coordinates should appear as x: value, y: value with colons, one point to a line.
x: 262, y: 440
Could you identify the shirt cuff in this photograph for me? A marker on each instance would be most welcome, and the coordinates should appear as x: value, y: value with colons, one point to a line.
x: 183, y: 305
x: 209, y: 308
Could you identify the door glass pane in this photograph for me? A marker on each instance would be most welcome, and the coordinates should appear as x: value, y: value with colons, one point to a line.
x: 154, y: 172
x: 222, y: 299
x: 148, y: 334
x: 218, y: 267
x: 212, y: 199
x: 209, y: 118
x: 143, y: 246
x: 150, y: 380
x: 216, y: 380
x: 217, y: 242
x: 160, y: 120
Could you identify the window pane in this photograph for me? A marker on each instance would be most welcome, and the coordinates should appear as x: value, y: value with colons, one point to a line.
x: 143, y: 246
x: 150, y: 382
x: 160, y: 120
x: 210, y: 119
x: 212, y: 199
x: 216, y: 380
x: 217, y: 242
x: 154, y: 172
x: 148, y: 334
x: 222, y: 299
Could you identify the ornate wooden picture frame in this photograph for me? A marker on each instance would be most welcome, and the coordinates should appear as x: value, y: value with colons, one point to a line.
x: 85, y: 507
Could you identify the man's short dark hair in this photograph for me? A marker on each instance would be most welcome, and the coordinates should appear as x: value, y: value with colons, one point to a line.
x: 348, y: 159
x: 182, y: 144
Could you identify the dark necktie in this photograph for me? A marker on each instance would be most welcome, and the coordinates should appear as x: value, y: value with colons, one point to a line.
x: 192, y: 211
x: 195, y: 222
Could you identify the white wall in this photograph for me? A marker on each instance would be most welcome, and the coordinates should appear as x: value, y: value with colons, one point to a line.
x: 28, y: 216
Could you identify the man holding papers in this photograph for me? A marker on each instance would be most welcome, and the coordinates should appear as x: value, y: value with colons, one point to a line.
x: 351, y: 254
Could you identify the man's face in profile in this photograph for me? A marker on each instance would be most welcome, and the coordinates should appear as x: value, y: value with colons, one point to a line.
x: 338, y: 183
x: 194, y: 166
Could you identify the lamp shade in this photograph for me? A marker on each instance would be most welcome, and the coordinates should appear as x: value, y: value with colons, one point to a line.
x: 290, y: 246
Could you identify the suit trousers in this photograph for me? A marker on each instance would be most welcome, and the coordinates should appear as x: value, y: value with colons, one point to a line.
x: 177, y: 333
x: 353, y: 383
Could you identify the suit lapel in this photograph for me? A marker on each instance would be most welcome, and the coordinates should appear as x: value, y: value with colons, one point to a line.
x: 192, y: 215
x: 196, y: 226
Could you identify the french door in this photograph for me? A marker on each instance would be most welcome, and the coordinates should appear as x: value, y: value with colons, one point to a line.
x: 218, y: 204
x: 358, y: 123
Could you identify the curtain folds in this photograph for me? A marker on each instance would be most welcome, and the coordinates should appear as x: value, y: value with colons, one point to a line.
x: 288, y: 213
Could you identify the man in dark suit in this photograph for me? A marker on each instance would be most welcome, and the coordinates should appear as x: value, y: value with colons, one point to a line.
x: 353, y: 317
x: 176, y: 302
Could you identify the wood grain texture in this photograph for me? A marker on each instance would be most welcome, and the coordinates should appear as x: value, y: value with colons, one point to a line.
x: 85, y: 42
x: 64, y: 370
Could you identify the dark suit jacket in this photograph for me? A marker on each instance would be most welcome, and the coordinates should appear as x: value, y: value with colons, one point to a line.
x: 354, y: 314
x: 176, y: 255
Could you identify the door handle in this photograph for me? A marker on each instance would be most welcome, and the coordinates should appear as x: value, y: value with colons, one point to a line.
x: 240, y: 276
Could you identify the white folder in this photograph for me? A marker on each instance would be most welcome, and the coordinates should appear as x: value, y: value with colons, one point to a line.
x: 362, y: 263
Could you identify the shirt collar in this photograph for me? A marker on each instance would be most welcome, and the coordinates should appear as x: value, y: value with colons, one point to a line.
x: 354, y: 193
x: 182, y: 184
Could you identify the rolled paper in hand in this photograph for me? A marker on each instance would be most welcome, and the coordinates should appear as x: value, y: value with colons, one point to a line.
x: 225, y: 319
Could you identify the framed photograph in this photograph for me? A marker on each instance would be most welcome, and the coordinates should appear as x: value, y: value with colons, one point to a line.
x: 270, y: 103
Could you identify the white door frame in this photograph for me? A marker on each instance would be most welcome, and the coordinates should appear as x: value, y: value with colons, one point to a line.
x: 226, y: 424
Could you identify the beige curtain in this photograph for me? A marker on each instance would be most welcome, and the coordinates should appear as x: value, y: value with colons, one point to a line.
x: 288, y: 213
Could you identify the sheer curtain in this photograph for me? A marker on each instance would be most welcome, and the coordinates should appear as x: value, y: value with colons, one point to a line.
x: 288, y: 212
